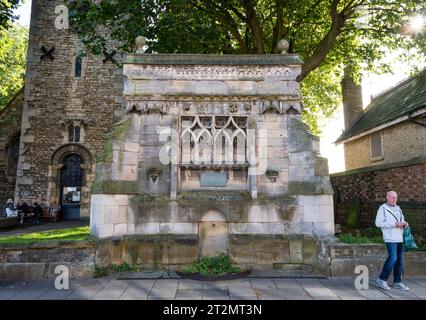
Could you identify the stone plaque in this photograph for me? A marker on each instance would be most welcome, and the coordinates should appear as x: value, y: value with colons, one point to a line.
x: 213, y: 179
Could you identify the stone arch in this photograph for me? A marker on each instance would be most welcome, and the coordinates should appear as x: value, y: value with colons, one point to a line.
x: 213, y: 214
x: 213, y: 233
x: 54, y: 175
x: 71, y: 148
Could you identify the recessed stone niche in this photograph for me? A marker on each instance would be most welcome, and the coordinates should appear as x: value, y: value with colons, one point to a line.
x: 214, y: 150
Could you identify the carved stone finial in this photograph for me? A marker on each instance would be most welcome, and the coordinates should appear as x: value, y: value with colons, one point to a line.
x: 283, y: 46
x: 140, y: 43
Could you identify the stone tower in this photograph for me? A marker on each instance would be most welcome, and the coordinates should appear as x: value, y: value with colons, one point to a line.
x: 70, y: 103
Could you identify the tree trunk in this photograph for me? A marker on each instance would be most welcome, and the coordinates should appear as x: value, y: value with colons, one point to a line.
x: 326, y: 44
x: 256, y: 30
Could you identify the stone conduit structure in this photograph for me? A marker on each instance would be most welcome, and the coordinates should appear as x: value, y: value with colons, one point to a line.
x: 212, y: 157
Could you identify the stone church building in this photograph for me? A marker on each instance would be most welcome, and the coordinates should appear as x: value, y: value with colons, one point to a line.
x: 58, y: 122
x: 208, y: 151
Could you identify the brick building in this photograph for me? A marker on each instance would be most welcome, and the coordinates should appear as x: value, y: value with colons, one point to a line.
x: 391, y: 129
x: 385, y: 149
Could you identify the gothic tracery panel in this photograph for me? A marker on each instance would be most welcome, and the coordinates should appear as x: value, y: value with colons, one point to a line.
x: 213, y: 140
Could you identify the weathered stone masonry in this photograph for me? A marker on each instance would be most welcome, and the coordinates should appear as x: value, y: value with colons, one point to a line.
x: 10, y: 131
x: 55, y: 98
x: 245, y: 176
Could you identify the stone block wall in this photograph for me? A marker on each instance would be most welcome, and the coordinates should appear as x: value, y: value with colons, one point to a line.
x: 345, y: 257
x: 276, y: 187
x: 174, y: 251
x: 10, y: 131
x: 120, y: 215
x: 370, y: 185
x: 32, y: 262
x: 161, y: 89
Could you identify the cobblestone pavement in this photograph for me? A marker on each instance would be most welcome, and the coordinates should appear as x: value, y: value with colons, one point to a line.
x: 113, y: 288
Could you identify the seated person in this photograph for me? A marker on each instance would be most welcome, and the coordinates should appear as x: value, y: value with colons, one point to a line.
x: 23, y: 210
x: 10, y: 209
x: 38, y: 212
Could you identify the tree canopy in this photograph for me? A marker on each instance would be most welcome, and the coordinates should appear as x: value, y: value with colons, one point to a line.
x: 329, y: 35
x: 6, y: 12
x: 13, y: 50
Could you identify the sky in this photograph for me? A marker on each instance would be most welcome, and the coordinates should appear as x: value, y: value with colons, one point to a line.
x: 372, y: 84
x: 24, y: 11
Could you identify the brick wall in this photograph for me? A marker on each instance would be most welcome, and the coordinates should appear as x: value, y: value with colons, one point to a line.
x: 10, y: 128
x: 404, y: 141
x: 357, y: 153
x: 400, y: 142
x: 53, y: 97
x: 370, y: 186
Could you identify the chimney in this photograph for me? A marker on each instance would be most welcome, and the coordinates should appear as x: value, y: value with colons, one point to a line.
x: 352, y: 100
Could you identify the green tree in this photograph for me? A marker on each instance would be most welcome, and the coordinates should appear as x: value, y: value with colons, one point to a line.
x: 328, y: 34
x: 6, y: 12
x: 13, y: 49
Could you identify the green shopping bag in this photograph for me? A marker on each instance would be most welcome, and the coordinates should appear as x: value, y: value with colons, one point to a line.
x: 409, y: 242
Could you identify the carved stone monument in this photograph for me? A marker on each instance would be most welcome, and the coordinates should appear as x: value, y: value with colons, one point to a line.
x: 212, y: 157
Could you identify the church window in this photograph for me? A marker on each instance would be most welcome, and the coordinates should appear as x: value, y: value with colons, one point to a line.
x: 71, y: 133
x: 77, y: 134
x: 78, y: 66
x: 74, y: 133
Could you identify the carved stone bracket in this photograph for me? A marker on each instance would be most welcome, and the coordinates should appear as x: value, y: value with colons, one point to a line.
x: 292, y: 111
x: 272, y: 175
x: 147, y: 107
x: 153, y: 173
x: 278, y: 107
x: 270, y: 106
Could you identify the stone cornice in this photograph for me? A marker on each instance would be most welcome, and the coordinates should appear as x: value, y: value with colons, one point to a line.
x: 211, y: 59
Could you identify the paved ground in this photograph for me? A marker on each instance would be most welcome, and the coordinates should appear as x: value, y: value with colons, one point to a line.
x: 28, y: 228
x: 179, y: 289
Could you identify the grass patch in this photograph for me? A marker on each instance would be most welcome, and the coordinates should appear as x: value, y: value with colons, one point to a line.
x: 75, y: 233
x: 124, y: 267
x: 209, y: 266
x: 349, y: 238
x: 373, y: 235
x: 366, y: 235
